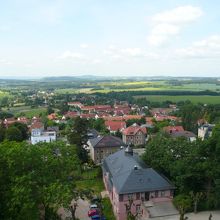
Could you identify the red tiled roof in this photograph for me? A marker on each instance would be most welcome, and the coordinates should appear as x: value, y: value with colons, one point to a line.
x: 103, y: 115
x: 71, y: 114
x: 127, y: 117
x: 149, y: 120
x: 165, y: 117
x: 173, y: 129
x: 37, y: 125
x: 132, y: 130
x: 115, y: 125
x: 52, y: 116
x: 87, y: 108
x: 23, y: 120
x: 87, y: 115
x: 114, y: 118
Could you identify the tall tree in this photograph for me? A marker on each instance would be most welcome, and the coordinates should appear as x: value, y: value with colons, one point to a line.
x: 36, y: 180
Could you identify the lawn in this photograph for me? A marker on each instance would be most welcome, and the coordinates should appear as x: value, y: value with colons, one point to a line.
x: 194, y: 99
x: 91, y: 179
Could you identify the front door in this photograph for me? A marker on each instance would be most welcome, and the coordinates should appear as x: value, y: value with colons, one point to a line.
x: 146, y: 196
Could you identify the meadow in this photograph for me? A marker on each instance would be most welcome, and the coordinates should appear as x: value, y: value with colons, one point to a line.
x: 194, y: 99
x: 26, y: 111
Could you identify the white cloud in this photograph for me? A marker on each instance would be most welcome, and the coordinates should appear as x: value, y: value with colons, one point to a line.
x: 179, y: 15
x: 207, y: 48
x: 71, y: 55
x: 169, y: 23
x: 84, y: 46
x: 125, y: 53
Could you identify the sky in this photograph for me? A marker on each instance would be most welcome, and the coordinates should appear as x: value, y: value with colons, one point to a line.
x: 41, y: 38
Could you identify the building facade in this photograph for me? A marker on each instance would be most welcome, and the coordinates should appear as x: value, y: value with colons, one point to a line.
x: 103, y: 146
x: 134, y: 135
x: 129, y: 181
x: 38, y: 134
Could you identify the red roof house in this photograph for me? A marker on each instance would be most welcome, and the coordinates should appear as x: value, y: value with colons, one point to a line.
x: 135, y: 135
x: 114, y: 126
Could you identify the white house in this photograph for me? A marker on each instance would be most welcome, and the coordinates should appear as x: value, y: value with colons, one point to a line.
x: 38, y: 134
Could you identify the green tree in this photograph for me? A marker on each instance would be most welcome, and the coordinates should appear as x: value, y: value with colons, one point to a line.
x: 36, y: 181
x: 13, y: 134
x: 2, y: 133
x: 22, y: 128
x: 183, y: 204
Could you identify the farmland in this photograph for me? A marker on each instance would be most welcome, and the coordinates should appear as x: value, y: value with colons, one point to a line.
x: 120, y: 86
x: 194, y: 99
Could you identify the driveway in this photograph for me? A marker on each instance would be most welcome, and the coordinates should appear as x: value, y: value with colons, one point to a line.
x: 81, y: 211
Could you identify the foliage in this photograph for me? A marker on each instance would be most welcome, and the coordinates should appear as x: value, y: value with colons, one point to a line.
x: 78, y: 137
x: 36, y: 180
x: 13, y: 134
x: 183, y: 204
x: 191, y: 166
x: 107, y: 209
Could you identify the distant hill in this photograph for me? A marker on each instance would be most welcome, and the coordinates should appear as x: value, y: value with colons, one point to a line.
x: 73, y: 78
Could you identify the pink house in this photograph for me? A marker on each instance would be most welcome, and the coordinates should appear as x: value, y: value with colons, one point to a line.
x: 126, y: 178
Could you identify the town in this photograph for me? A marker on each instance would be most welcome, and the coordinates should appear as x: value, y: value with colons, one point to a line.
x: 109, y: 110
x: 127, y: 156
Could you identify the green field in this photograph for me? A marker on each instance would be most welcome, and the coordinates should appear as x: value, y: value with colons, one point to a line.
x: 26, y: 111
x: 194, y: 99
x: 119, y: 86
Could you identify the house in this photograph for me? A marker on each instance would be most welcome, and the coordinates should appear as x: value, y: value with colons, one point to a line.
x: 135, y: 135
x: 127, y: 178
x: 173, y: 129
x: 103, y: 146
x: 92, y: 133
x: 205, y: 131
x: 71, y: 114
x: 52, y: 116
x: 38, y: 134
x: 75, y: 104
x: 114, y: 126
x: 190, y: 136
x: 129, y: 117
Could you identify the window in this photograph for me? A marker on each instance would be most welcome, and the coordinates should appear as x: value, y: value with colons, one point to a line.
x: 171, y: 193
x: 146, y: 196
x: 162, y: 193
x: 120, y: 198
x: 156, y: 194
x: 137, y: 196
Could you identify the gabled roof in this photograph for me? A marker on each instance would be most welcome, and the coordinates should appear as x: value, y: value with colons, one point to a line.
x: 173, y: 129
x: 106, y: 141
x: 115, y: 125
x: 129, y: 174
x: 133, y: 129
x: 186, y: 134
x: 37, y: 125
x: 128, y: 117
